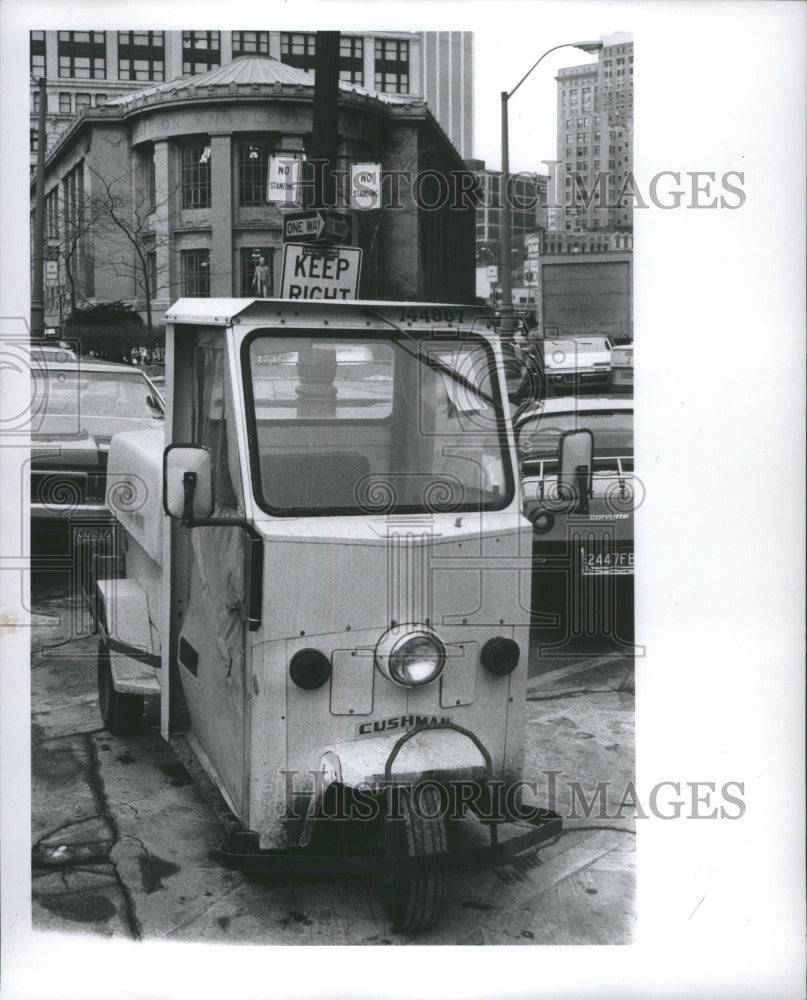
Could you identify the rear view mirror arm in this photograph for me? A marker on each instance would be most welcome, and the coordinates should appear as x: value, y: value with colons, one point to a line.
x: 582, y: 474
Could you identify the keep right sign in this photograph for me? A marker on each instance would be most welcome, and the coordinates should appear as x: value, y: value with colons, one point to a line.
x: 319, y: 272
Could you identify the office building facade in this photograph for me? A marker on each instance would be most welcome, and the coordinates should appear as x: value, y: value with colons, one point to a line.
x: 595, y: 141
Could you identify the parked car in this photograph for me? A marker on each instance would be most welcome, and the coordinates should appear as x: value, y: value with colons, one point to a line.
x: 51, y: 352
x: 577, y: 363
x: 77, y: 405
x: 622, y: 367
x: 583, y: 554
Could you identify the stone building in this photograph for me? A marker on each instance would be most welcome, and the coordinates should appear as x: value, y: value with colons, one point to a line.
x: 162, y: 192
x: 85, y: 69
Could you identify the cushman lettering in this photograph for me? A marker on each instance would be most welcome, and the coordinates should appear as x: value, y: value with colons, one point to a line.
x: 377, y: 726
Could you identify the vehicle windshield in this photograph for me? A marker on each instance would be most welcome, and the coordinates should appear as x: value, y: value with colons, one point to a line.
x: 351, y: 424
x: 73, y: 401
x: 539, y: 436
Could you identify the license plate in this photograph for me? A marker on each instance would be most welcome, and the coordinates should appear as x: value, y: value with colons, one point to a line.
x: 599, y: 562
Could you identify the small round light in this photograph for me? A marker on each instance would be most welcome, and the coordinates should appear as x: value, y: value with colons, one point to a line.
x: 411, y: 656
x: 309, y: 669
x: 500, y: 655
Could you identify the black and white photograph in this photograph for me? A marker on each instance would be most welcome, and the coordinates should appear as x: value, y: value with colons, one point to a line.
x: 387, y: 399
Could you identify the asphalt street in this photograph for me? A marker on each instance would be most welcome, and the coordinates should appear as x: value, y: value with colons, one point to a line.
x: 122, y: 836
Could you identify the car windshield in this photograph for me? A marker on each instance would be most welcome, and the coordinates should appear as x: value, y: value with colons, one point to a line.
x: 352, y: 425
x: 539, y: 436
x: 74, y: 401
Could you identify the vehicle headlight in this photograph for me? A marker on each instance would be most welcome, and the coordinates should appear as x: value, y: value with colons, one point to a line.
x: 410, y: 655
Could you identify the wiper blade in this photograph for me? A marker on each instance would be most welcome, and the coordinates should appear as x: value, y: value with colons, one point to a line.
x: 440, y: 365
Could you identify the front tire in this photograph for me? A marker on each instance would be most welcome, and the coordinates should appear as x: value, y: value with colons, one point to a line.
x: 415, y: 901
x: 122, y: 713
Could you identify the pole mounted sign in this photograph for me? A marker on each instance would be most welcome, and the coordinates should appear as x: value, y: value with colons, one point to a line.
x: 319, y: 272
x: 283, y: 178
x: 317, y: 226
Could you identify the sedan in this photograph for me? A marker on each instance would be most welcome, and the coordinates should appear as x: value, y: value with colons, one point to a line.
x: 577, y: 363
x: 77, y: 405
x: 583, y: 555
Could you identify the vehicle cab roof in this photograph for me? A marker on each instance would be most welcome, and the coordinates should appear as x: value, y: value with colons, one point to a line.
x: 349, y: 313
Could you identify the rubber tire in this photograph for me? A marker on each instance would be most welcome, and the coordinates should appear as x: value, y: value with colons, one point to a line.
x: 122, y: 713
x: 414, y: 902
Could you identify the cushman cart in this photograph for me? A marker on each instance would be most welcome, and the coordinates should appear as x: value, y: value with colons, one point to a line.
x: 326, y: 581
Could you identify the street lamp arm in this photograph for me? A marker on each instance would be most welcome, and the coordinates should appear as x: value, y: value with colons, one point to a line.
x: 585, y: 46
x: 506, y: 311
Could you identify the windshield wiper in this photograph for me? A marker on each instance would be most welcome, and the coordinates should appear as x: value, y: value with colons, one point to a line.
x: 437, y: 363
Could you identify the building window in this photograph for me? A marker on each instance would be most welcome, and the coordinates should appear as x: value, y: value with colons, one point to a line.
x: 34, y: 140
x: 196, y: 273
x: 38, y: 53
x: 141, y: 55
x: 196, y: 175
x: 151, y: 271
x: 82, y: 55
x: 35, y: 102
x: 65, y: 105
x: 299, y: 50
x: 250, y: 43
x: 391, y: 66
x: 260, y: 285
x: 151, y: 183
x: 351, y: 60
x: 200, y: 51
x: 100, y: 99
x: 82, y: 101
x: 253, y: 167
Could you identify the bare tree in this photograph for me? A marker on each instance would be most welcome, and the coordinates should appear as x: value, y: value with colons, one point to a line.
x: 78, y: 224
x: 122, y: 208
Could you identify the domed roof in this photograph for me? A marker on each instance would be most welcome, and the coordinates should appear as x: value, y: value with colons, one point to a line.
x: 246, y: 71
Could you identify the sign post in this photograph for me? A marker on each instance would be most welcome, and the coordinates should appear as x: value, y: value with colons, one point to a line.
x: 320, y: 272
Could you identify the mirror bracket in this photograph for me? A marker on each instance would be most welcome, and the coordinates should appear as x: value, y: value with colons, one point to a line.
x: 189, y: 487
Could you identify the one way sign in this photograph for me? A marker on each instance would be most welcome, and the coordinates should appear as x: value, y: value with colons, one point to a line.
x: 319, y: 225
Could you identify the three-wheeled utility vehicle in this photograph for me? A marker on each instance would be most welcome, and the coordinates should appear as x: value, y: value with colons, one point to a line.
x: 326, y: 581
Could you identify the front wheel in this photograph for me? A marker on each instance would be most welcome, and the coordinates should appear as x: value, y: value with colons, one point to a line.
x: 122, y: 713
x: 414, y: 901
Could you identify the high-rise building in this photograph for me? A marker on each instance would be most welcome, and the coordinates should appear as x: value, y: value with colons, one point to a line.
x: 86, y: 68
x: 595, y: 141
x: 447, y: 62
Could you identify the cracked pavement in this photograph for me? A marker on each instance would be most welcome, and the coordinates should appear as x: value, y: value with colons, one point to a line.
x: 122, y: 837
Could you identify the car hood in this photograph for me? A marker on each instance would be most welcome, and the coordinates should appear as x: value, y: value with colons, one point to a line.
x: 81, y: 450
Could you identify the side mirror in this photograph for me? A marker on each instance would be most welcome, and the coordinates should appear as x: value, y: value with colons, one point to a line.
x: 188, y: 482
x: 575, y: 476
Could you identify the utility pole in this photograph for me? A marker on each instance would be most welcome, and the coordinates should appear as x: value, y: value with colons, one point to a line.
x: 325, y: 129
x: 37, y: 288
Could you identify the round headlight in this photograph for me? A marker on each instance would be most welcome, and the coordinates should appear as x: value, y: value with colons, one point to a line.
x: 411, y: 657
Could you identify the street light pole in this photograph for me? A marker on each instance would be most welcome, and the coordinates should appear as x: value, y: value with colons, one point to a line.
x: 37, y: 289
x: 507, y: 326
